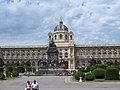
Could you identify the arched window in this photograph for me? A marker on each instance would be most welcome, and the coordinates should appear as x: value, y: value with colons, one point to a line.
x: 33, y: 63
x: 110, y: 53
x: 17, y: 63
x: 55, y: 37
x: 7, y: 62
x: 66, y: 37
x: 60, y: 36
x: 70, y: 37
x: 66, y: 55
x: 104, y: 53
x: 49, y: 37
x: 83, y: 63
x: 22, y: 63
x: 12, y: 62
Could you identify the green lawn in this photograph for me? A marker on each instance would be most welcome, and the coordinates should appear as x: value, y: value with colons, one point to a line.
x: 103, y: 80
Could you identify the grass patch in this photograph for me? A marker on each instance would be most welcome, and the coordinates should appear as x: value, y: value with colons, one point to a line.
x: 103, y: 80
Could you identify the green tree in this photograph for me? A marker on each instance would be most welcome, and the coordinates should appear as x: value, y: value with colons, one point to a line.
x: 20, y: 69
x: 9, y: 68
x: 15, y: 73
x: 28, y: 63
x: 92, y: 62
x: 2, y: 76
x: 1, y: 62
x: 110, y: 63
x: 29, y: 69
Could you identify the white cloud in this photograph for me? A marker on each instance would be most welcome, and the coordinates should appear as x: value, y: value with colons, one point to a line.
x: 29, y: 21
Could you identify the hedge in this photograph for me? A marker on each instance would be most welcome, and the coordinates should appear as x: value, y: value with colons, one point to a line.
x: 78, y: 74
x: 15, y: 73
x: 99, y: 73
x: 112, y: 74
x: 2, y: 76
x: 89, y: 76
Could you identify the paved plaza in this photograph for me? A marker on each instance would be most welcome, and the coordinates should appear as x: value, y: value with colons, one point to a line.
x: 57, y: 83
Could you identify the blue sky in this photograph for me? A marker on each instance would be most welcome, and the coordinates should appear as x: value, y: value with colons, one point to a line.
x: 27, y: 22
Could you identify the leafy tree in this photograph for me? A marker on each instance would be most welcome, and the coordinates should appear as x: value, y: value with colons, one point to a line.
x: 9, y: 69
x: 15, y: 73
x: 110, y: 63
x: 98, y: 62
x: 2, y: 76
x: 20, y: 69
x: 1, y: 62
x: 29, y: 69
x: 92, y: 62
x: 17, y: 63
x: 28, y: 63
x: 34, y: 70
x: 104, y: 66
x: 116, y: 63
x: 8, y: 74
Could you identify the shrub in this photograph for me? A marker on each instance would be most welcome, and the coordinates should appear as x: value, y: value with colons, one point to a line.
x: 78, y: 75
x: 15, y: 73
x: 103, y: 66
x: 20, y: 69
x: 112, y: 74
x: 29, y: 69
x: 89, y: 76
x: 1, y: 69
x: 9, y: 69
x: 8, y: 74
x: 73, y: 73
x: 34, y: 70
x: 82, y: 69
x: 2, y: 76
x: 92, y: 68
x: 99, y: 73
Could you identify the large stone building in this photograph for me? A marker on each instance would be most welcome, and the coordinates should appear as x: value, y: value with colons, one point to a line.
x: 75, y: 55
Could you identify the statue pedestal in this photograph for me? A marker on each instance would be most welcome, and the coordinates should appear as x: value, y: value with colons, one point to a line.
x: 80, y: 79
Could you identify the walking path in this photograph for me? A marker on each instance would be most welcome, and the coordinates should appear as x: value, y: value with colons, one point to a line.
x: 57, y: 83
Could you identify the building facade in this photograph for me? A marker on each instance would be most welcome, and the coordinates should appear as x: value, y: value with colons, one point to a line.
x: 75, y: 55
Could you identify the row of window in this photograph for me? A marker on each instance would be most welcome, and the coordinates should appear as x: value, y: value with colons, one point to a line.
x: 96, y: 53
x: 98, y: 56
x: 63, y: 49
x: 23, y: 57
x: 19, y: 63
x: 23, y: 54
x: 22, y: 51
x: 61, y: 37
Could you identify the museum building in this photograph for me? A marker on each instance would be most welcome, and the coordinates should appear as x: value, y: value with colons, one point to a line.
x: 74, y: 55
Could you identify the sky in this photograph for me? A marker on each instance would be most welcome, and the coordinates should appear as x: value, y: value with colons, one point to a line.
x: 28, y: 22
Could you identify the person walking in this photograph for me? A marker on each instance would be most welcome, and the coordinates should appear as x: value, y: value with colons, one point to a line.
x: 35, y: 85
x: 28, y: 86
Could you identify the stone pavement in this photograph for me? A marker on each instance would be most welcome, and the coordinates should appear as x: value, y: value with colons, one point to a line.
x: 57, y: 83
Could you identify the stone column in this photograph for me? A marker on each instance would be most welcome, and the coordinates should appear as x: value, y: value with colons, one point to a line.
x: 69, y: 65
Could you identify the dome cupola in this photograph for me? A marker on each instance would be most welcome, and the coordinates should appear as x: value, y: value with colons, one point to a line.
x: 61, y: 27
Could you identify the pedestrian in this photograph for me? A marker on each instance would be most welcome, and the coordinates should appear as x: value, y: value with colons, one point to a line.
x: 35, y: 85
x: 28, y: 86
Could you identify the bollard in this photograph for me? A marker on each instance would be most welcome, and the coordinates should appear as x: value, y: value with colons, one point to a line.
x: 80, y: 79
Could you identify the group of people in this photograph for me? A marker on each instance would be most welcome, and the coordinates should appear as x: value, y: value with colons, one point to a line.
x: 32, y: 86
